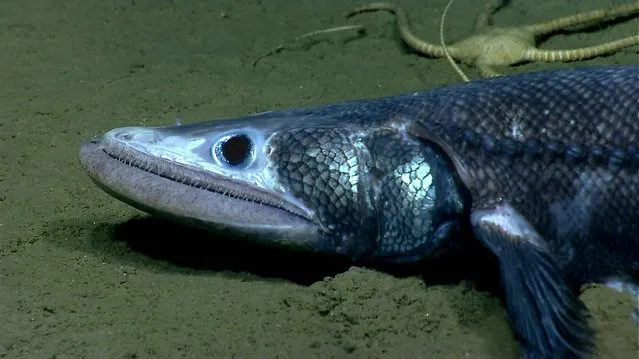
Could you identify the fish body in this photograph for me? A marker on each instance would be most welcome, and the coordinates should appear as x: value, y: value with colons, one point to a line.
x: 540, y: 168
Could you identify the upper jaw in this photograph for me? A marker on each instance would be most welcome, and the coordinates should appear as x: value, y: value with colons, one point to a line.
x: 121, y: 164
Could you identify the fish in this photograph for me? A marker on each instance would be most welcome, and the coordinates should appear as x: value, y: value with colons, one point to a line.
x: 540, y: 168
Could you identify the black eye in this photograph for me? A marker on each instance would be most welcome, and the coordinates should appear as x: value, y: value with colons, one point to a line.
x: 234, y: 150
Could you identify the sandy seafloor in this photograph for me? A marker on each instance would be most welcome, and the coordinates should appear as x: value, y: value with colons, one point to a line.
x: 83, y: 275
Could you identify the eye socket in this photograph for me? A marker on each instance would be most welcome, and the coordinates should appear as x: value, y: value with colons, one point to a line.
x: 234, y: 150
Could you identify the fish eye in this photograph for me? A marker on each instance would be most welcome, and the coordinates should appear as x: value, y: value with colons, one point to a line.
x: 234, y: 150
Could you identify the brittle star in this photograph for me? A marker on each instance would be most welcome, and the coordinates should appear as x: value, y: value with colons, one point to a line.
x: 494, y: 46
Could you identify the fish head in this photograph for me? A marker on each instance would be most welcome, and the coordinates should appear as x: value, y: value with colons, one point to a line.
x: 303, y: 179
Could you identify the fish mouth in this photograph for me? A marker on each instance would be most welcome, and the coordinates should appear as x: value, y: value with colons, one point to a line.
x: 196, y: 197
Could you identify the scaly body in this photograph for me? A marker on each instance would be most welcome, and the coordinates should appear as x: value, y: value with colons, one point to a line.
x: 540, y: 168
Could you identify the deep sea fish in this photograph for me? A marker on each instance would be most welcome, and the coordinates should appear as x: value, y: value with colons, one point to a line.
x: 540, y: 168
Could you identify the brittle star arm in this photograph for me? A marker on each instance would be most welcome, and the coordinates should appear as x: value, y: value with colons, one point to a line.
x: 583, y: 53
x: 484, y: 17
x: 421, y: 46
x: 482, y: 22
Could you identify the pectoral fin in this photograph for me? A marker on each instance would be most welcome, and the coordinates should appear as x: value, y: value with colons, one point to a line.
x: 544, y: 312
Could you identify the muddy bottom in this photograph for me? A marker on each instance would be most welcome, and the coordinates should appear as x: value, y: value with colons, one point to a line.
x: 83, y: 275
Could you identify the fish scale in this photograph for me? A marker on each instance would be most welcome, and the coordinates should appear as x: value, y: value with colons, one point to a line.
x: 540, y: 168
